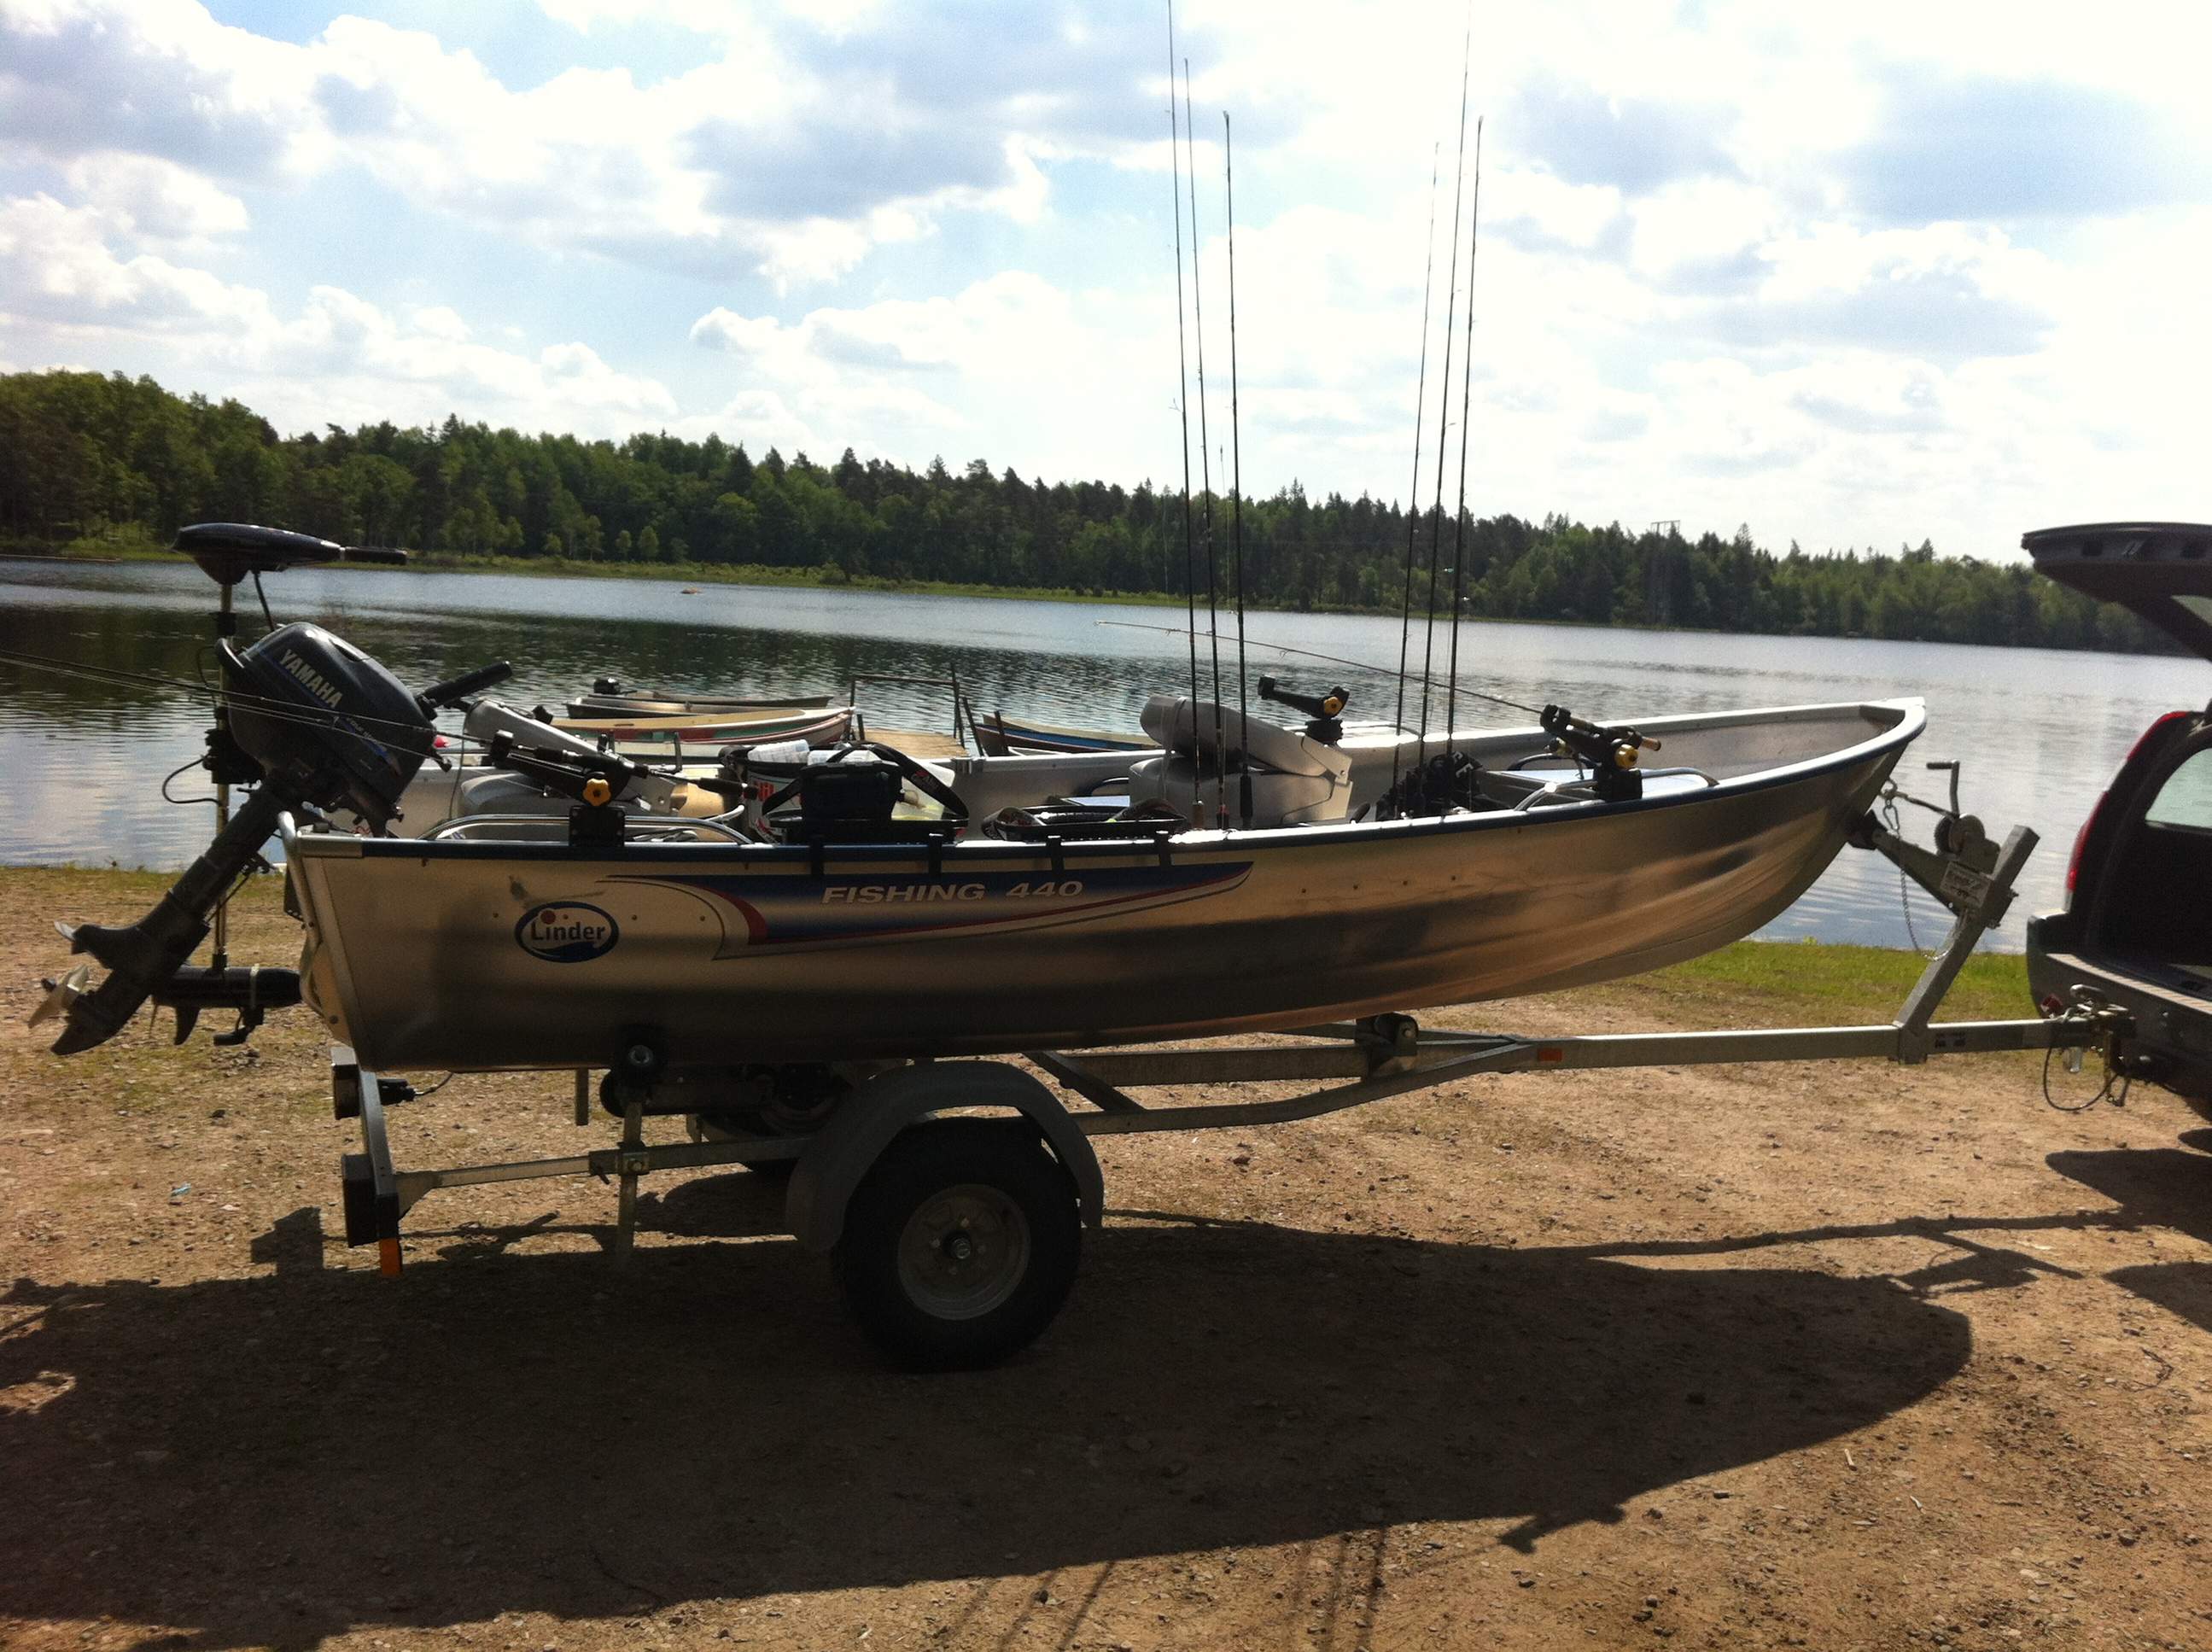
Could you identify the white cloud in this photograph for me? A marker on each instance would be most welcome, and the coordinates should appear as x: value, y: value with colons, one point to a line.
x: 439, y: 321
x: 156, y: 199
x: 64, y: 287
x: 55, y: 267
x: 777, y: 149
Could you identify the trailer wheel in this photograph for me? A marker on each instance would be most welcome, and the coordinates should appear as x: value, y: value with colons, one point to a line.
x: 961, y: 1243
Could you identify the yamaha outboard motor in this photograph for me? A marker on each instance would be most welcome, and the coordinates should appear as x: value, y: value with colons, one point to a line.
x: 328, y: 727
x: 317, y: 724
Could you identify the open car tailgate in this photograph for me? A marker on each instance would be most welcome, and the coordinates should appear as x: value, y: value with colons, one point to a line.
x: 2162, y: 571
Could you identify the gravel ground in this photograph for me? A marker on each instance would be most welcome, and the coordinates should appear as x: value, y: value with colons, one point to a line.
x: 1839, y: 1355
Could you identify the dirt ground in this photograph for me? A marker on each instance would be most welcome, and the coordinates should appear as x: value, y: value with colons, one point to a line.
x: 1833, y: 1357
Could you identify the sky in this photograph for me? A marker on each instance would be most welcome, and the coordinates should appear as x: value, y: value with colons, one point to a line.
x: 1850, y: 276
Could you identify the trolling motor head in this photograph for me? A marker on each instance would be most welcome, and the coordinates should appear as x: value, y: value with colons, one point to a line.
x: 325, y: 726
x: 227, y: 551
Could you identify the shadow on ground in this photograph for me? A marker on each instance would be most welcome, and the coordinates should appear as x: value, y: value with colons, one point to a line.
x: 2160, y: 1187
x: 274, y: 1459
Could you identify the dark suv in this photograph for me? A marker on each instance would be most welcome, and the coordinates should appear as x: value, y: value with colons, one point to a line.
x: 2137, y: 927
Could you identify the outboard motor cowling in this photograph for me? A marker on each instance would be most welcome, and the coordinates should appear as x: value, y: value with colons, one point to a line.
x: 343, y: 731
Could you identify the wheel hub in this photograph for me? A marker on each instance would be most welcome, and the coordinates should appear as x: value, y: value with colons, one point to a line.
x: 963, y: 1252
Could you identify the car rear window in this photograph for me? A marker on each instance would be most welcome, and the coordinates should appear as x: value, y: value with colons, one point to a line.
x: 2185, y: 800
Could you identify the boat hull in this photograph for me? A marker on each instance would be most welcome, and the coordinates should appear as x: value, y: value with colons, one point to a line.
x: 484, y: 955
x: 634, y: 705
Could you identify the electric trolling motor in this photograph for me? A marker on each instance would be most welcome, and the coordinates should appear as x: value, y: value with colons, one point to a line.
x: 319, y: 725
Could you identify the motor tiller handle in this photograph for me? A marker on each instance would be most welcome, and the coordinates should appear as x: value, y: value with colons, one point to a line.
x: 454, y: 689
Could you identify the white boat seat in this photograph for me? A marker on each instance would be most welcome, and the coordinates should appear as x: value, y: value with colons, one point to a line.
x: 1295, y: 781
x: 1168, y: 719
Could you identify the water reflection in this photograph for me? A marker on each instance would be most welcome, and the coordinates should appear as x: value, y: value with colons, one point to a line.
x: 2040, y: 732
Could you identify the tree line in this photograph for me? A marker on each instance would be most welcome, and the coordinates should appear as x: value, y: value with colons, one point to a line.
x: 88, y: 460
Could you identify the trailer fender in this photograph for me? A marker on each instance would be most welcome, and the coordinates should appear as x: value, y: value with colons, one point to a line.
x: 843, y: 1151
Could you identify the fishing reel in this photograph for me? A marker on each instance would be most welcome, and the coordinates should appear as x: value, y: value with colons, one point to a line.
x: 1608, y: 750
x: 1325, y: 711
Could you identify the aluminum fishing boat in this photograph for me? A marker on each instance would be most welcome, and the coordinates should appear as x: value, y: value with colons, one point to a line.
x: 1244, y: 875
x: 611, y: 697
x: 473, y: 952
x: 817, y: 725
x: 1000, y: 736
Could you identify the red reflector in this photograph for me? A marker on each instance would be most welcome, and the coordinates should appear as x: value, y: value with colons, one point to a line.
x: 1550, y: 1052
x: 438, y: 743
x: 2052, y: 1004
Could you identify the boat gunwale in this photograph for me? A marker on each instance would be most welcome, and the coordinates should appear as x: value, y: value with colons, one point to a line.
x: 1910, y: 714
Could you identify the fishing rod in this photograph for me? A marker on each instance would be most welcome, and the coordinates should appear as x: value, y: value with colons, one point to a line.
x: 1206, y: 481
x: 1183, y: 373
x: 1236, y: 484
x: 1413, y: 494
x: 1465, y: 390
x: 1443, y: 426
x: 1330, y: 659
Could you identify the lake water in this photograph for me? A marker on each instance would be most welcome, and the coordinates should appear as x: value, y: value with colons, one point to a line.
x: 2038, y: 733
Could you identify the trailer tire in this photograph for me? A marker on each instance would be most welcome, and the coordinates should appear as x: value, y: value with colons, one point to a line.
x: 960, y: 1244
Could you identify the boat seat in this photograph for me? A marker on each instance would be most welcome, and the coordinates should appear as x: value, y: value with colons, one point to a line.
x: 1170, y: 721
x: 1296, y: 782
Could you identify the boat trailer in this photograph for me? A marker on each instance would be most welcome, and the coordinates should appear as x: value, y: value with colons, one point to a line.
x: 914, y: 1291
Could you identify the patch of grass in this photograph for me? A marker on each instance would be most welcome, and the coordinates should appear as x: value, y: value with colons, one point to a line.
x: 1830, y: 982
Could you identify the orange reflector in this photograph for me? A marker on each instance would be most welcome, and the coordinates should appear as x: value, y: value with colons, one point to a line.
x: 1550, y: 1052
x: 387, y: 1258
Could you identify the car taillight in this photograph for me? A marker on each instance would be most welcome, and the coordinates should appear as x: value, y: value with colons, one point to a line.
x: 2082, y: 837
x: 2073, y: 861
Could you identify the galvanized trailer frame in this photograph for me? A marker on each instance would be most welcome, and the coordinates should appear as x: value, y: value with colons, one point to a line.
x: 1378, y: 1058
